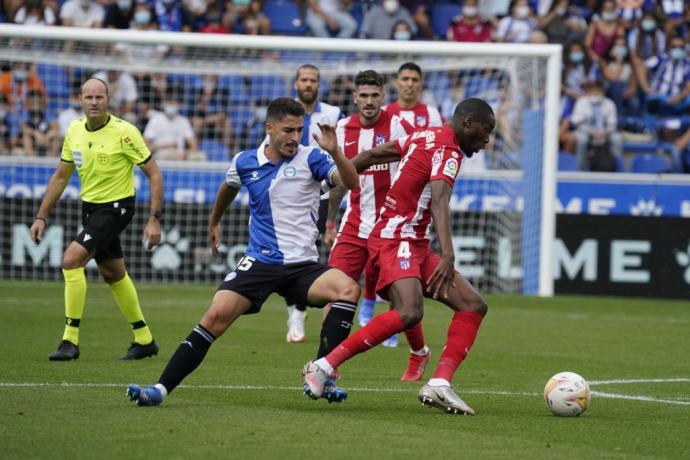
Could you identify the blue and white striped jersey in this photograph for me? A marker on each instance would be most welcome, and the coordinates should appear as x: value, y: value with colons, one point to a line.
x: 324, y: 114
x: 283, y: 202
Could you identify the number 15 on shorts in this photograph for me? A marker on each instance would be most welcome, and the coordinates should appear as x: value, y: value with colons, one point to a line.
x: 245, y: 263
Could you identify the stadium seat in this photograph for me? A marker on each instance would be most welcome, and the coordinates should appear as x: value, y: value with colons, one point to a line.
x: 441, y: 15
x: 649, y: 163
x: 267, y: 87
x: 55, y: 80
x: 567, y: 162
x: 237, y: 87
x: 285, y: 17
x: 215, y: 150
x: 439, y: 85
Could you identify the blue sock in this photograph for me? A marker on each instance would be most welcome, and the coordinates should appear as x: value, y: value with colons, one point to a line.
x: 368, y: 304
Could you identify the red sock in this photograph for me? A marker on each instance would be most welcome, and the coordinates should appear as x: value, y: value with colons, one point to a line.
x: 461, y: 334
x: 415, y: 337
x: 376, y: 331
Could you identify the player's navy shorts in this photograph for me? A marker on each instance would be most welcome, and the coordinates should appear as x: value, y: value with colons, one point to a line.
x: 399, y: 259
x: 256, y: 280
x: 103, y: 223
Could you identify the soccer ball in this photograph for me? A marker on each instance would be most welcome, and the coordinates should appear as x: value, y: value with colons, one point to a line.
x: 567, y: 394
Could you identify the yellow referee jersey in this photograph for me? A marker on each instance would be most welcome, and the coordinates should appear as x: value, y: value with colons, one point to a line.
x: 105, y: 158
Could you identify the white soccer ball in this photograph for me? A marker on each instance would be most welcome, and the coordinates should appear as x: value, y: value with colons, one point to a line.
x: 567, y: 394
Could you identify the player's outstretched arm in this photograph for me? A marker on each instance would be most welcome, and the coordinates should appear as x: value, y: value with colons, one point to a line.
x: 226, y: 194
x: 346, y: 174
x: 152, y: 231
x: 335, y: 197
x: 56, y: 185
x: 444, y: 273
x: 384, y: 153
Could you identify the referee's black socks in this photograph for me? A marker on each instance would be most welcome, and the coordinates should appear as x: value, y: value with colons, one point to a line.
x: 187, y: 357
x: 336, y: 326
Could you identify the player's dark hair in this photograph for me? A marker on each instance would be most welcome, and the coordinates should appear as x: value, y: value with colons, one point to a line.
x: 369, y: 77
x: 307, y: 67
x: 410, y: 66
x: 81, y: 88
x: 475, y: 107
x: 282, y: 107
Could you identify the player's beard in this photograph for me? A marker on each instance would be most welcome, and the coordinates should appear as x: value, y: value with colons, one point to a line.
x: 306, y: 98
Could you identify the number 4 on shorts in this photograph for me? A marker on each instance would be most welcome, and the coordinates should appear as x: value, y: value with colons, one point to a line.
x: 404, y: 250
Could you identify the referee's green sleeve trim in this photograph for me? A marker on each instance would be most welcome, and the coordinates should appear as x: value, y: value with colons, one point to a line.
x: 66, y: 161
x: 146, y: 160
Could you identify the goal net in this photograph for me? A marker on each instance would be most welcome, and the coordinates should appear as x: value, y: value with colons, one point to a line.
x: 502, y: 206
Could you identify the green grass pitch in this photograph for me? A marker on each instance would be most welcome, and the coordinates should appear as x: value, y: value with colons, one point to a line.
x: 245, y: 400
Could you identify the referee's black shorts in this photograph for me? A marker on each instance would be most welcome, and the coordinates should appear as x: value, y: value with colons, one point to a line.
x: 256, y: 280
x: 103, y: 223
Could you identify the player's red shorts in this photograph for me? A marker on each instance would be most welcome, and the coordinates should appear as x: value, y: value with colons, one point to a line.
x: 350, y: 254
x: 398, y: 259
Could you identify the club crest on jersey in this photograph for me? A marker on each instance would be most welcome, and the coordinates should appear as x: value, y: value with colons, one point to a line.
x: 255, y: 175
x: 231, y: 276
x: 102, y: 158
x: 451, y: 168
x: 421, y: 121
x: 289, y: 171
x: 78, y: 160
x: 380, y: 139
x: 405, y: 264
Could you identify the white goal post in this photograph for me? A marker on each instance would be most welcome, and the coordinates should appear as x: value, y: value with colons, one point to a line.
x: 530, y: 74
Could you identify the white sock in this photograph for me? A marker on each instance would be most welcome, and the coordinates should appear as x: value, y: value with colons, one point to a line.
x: 298, y: 314
x: 421, y: 352
x: 291, y: 309
x: 439, y: 383
x: 325, y: 365
x: 162, y: 389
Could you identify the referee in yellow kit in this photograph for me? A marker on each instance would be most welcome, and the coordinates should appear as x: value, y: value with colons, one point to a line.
x: 104, y: 150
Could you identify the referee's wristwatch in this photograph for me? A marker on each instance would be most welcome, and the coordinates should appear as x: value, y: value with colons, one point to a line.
x: 156, y: 214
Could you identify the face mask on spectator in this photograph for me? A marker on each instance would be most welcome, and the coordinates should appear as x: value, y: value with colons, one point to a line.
x: 577, y: 56
x: 521, y: 11
x: 142, y: 17
x: 609, y: 16
x: 20, y: 75
x: 124, y: 4
x: 170, y: 110
x: 260, y: 113
x: 3, y: 113
x: 470, y: 11
x: 677, y: 53
x: 596, y: 98
x: 85, y: 3
x: 402, y: 35
x: 390, y: 6
x: 648, y: 25
x: 620, y: 51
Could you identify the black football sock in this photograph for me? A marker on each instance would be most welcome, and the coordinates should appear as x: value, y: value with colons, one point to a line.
x: 187, y: 357
x: 336, y: 326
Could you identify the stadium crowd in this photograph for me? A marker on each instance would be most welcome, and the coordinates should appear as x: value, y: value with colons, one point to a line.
x: 625, y: 83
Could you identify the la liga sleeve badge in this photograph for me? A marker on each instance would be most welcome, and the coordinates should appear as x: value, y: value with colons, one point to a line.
x: 451, y: 168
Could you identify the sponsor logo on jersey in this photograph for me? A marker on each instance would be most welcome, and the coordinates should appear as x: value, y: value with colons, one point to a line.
x: 451, y: 168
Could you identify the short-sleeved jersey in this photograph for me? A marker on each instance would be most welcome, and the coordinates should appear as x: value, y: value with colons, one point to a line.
x: 366, y: 201
x: 420, y: 116
x: 283, y: 202
x: 324, y: 114
x: 427, y: 156
x: 105, y: 158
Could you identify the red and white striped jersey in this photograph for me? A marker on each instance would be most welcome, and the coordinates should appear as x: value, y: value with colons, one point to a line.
x: 420, y: 116
x: 427, y: 155
x: 366, y: 201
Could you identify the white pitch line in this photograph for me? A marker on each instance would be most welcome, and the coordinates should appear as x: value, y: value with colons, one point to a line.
x: 618, y: 381
x: 370, y: 390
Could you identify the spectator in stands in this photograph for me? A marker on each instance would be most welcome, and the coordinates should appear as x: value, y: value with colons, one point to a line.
x: 563, y: 23
x: 194, y: 12
x: 209, y: 105
x: 119, y: 15
x: 381, y: 19
x: 170, y: 135
x: 469, y: 26
x: 254, y: 130
x: 35, y: 12
x: 6, y: 139
x: 674, y: 15
x: 602, y: 31
x: 170, y: 16
x: 577, y: 69
x: 420, y: 13
x: 247, y: 17
x: 631, y: 11
x: 340, y: 94
x: 619, y: 77
x: 325, y: 15
x: 666, y: 79
x: 402, y: 31
x: 152, y: 88
x: 67, y: 116
x: 39, y: 136
x: 595, y: 119
x: 645, y: 42
x: 82, y: 13
x: 123, y: 92
x: 17, y: 83
x: 213, y: 21
x: 517, y: 27
x: 143, y: 17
